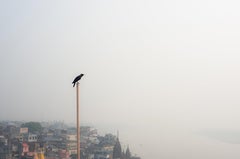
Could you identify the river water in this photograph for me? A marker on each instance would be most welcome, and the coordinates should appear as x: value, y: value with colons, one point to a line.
x: 150, y: 142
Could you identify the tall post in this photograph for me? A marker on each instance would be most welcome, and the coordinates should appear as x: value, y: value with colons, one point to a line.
x: 78, y: 128
x: 75, y: 81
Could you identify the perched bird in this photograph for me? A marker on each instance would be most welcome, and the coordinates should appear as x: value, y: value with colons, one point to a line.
x: 77, y: 79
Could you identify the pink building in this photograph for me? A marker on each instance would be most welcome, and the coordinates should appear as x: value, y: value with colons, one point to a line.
x: 25, y: 149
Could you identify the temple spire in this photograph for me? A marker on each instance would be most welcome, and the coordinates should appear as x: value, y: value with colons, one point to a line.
x: 117, y: 150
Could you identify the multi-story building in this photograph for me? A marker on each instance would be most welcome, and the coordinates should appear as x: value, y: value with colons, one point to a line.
x: 71, y: 143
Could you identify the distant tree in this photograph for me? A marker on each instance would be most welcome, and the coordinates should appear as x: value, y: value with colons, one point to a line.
x: 33, y: 126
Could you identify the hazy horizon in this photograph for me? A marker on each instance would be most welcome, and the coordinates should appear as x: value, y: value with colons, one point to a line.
x: 170, y: 65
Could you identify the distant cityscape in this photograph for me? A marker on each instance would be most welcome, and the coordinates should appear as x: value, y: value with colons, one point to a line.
x: 56, y: 140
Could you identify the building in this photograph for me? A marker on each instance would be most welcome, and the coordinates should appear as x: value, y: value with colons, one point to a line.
x: 32, y: 138
x: 71, y: 144
x: 117, y: 150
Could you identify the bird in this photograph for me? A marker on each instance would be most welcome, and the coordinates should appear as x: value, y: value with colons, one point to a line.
x: 77, y: 79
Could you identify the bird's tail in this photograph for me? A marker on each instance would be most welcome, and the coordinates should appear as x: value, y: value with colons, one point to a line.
x: 73, y: 84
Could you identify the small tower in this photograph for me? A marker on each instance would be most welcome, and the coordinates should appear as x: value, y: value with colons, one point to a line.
x: 128, y: 153
x: 117, y: 150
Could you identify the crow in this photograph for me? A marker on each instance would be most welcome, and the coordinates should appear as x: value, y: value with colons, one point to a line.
x: 77, y: 79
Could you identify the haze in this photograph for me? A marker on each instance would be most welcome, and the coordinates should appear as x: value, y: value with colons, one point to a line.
x: 169, y: 69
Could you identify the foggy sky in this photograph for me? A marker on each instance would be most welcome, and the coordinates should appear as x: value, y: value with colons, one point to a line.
x: 163, y: 63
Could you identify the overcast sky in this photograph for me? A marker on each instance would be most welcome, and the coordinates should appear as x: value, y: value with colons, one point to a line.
x: 163, y: 63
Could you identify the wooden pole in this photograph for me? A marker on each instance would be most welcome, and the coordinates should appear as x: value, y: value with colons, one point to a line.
x: 78, y: 128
